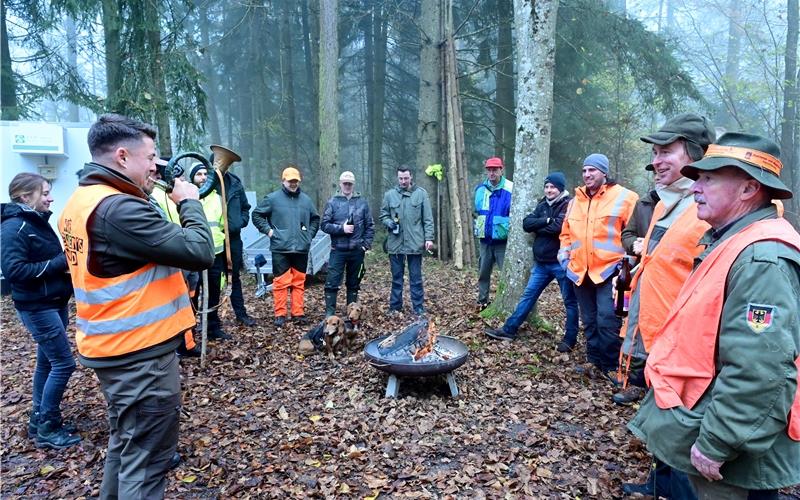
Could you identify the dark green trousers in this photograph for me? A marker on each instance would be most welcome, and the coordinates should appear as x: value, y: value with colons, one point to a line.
x: 143, y: 405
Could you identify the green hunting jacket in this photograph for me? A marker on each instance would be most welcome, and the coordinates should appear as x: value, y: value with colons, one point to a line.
x: 741, y: 419
x: 412, y: 208
x: 292, y: 217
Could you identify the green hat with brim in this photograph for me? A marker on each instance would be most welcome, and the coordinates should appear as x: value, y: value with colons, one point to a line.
x: 757, y: 156
x: 696, y: 130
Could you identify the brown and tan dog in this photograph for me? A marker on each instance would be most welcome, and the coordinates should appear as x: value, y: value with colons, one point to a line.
x: 333, y: 333
x: 355, y: 312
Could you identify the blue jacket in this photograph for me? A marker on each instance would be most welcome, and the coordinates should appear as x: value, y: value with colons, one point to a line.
x: 545, y: 221
x: 32, y: 259
x: 493, y: 206
x: 337, y: 211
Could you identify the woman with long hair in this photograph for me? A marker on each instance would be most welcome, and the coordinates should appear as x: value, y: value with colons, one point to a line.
x: 35, y: 266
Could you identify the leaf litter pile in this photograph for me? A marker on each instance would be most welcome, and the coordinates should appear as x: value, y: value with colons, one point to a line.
x: 260, y: 420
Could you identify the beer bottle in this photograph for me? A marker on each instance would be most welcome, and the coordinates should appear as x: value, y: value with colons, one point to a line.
x: 396, y: 229
x: 623, y: 288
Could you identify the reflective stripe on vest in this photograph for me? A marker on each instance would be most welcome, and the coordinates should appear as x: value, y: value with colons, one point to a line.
x: 681, y: 365
x: 121, y: 314
x: 660, y: 275
x: 592, y: 232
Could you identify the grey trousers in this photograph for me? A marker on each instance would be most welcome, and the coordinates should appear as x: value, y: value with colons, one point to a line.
x: 490, y: 254
x: 143, y: 404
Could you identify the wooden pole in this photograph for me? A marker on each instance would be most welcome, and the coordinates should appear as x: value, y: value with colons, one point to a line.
x: 204, y: 319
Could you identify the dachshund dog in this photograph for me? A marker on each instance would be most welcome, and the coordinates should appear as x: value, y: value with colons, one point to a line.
x: 351, y: 325
x: 333, y: 333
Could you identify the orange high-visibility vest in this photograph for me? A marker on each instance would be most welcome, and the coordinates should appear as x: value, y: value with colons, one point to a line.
x: 681, y: 365
x: 123, y: 314
x: 666, y: 270
x: 592, y: 232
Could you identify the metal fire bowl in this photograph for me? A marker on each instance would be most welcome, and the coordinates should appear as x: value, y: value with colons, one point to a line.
x: 418, y: 369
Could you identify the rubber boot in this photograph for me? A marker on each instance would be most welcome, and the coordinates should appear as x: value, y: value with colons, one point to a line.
x: 330, y: 303
x: 352, y: 296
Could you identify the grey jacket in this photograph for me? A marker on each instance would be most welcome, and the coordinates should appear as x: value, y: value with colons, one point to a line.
x: 412, y: 209
x: 291, y: 216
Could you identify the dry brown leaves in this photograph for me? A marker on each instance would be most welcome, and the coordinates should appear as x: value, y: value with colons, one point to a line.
x: 262, y: 421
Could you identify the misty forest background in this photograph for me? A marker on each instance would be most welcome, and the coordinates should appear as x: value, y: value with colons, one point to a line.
x: 362, y: 85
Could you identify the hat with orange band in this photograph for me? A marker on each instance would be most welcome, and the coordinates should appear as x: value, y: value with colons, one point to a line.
x: 758, y: 156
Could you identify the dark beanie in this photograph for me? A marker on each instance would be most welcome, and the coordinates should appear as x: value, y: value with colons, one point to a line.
x: 196, y: 168
x: 557, y: 179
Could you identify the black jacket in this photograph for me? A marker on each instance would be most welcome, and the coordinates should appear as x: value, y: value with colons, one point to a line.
x: 337, y: 211
x: 546, y: 221
x: 238, y: 206
x: 32, y: 259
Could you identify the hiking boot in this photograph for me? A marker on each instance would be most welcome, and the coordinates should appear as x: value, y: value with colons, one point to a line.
x: 500, y: 334
x: 280, y: 321
x: 183, y: 352
x: 51, y: 434
x: 174, y: 461
x: 300, y: 320
x: 481, y: 305
x: 218, y: 335
x: 563, y: 347
x: 628, y: 396
x: 33, y: 425
x: 246, y: 321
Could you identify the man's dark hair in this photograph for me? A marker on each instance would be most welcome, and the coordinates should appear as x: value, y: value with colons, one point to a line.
x: 111, y: 129
x: 405, y: 168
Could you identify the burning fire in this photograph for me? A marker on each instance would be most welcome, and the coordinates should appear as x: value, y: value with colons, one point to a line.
x: 426, y: 340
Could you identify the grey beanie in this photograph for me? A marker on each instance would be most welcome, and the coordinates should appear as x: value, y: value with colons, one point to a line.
x: 598, y: 161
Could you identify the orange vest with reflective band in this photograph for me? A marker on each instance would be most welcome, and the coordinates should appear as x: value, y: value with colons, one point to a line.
x: 681, y: 365
x: 667, y: 268
x: 123, y: 314
x: 592, y: 232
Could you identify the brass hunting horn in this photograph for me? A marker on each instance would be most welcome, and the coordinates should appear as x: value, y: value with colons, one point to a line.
x: 220, y: 159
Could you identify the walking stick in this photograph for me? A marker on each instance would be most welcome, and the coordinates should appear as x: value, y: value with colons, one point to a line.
x: 204, y: 318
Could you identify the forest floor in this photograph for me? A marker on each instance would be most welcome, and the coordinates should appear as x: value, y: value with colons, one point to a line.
x: 262, y: 421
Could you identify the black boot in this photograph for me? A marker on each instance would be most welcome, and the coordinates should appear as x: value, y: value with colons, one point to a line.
x: 33, y: 425
x: 52, y: 435
x: 330, y: 303
x: 352, y: 296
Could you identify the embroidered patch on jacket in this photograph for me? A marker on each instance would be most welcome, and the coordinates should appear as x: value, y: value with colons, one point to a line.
x: 759, y: 317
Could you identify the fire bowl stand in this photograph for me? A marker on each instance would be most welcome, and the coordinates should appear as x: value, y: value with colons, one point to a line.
x: 393, y: 385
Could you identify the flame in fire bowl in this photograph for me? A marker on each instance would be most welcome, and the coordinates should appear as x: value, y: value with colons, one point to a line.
x: 447, y: 354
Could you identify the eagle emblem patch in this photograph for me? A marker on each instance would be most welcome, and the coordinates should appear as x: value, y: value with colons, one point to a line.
x: 759, y: 317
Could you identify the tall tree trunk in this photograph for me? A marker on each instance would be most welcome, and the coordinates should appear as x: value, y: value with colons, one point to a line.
x: 730, y: 119
x: 310, y: 24
x: 379, y: 26
x: 287, y: 78
x: 430, y: 99
x: 790, y: 118
x: 457, y: 173
x: 112, y: 44
x: 158, y: 85
x: 535, y: 25
x: 73, y: 113
x: 9, y: 108
x: 210, y: 73
x: 328, y: 97
x: 505, y: 121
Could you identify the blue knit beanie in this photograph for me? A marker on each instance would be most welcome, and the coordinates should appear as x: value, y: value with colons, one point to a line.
x: 598, y: 161
x: 557, y: 179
